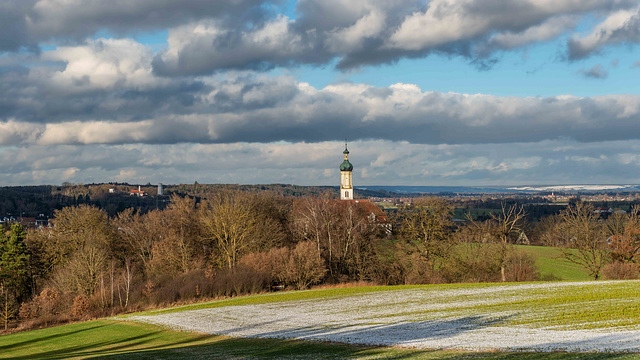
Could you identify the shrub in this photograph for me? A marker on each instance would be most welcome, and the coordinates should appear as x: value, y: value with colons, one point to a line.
x: 421, y: 271
x: 300, y: 267
x: 27, y: 311
x: 473, y: 262
x: 80, y: 306
x: 238, y: 281
x: 48, y: 301
x: 272, y: 264
x: 46, y: 304
x: 520, y: 266
x: 619, y: 270
x: 305, y: 266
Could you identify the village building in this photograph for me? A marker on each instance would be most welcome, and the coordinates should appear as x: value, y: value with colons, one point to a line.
x: 138, y: 192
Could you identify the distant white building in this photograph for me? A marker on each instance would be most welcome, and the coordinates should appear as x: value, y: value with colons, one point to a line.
x: 160, y: 189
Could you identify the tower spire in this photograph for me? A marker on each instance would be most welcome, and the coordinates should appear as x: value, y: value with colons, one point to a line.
x: 346, y: 184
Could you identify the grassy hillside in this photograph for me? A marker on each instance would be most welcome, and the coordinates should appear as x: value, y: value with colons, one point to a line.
x: 128, y: 340
x: 550, y: 262
x: 108, y: 339
x: 618, y: 305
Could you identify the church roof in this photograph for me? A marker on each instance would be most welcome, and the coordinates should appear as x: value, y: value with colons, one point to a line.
x: 346, y: 166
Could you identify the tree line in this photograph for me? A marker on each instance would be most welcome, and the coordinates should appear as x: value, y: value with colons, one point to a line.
x: 229, y: 243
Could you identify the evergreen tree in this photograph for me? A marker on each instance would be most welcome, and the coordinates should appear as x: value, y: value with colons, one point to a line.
x: 14, y: 260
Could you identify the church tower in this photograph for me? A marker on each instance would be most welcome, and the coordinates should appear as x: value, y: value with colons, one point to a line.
x: 346, y: 180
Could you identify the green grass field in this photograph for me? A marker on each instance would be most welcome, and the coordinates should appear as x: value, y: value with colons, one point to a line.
x: 549, y: 261
x: 108, y: 339
x: 130, y: 340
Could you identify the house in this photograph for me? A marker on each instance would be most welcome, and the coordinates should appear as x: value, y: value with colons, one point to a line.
x: 138, y: 192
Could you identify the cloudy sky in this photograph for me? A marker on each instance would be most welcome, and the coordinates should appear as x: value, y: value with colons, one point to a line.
x: 440, y: 92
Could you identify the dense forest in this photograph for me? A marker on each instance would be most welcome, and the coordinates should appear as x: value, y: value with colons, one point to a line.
x: 231, y: 242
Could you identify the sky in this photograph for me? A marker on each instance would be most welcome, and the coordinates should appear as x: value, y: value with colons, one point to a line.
x: 439, y: 92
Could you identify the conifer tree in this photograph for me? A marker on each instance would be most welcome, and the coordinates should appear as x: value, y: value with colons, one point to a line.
x: 14, y: 260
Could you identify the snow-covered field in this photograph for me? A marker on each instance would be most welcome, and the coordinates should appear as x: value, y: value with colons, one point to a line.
x: 573, y: 187
x: 486, y: 318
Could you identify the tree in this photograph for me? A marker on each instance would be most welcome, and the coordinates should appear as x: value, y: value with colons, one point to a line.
x: 341, y: 231
x: 232, y: 225
x: 582, y: 235
x: 85, y: 244
x: 305, y: 266
x: 503, y: 229
x: 14, y: 262
x: 173, y: 236
x: 427, y: 224
x: 624, y: 235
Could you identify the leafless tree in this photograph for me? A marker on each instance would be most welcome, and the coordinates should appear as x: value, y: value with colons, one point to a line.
x: 232, y: 225
x: 581, y: 233
x: 503, y: 229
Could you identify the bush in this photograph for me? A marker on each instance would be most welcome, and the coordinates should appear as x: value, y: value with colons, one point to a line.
x: 305, y: 266
x: 419, y: 271
x: 27, y: 311
x: 272, y: 264
x: 620, y: 270
x: 300, y: 267
x: 46, y: 304
x: 473, y: 262
x: 520, y: 266
x: 80, y: 306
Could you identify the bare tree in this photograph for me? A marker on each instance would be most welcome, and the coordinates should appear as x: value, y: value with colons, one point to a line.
x: 341, y: 231
x: 304, y: 266
x: 624, y: 236
x: 233, y: 226
x: 503, y: 228
x: 582, y: 235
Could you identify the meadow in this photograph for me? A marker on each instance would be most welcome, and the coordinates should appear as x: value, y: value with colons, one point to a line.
x: 583, y: 320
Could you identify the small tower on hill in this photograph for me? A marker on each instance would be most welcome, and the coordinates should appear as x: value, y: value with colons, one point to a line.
x: 346, y: 179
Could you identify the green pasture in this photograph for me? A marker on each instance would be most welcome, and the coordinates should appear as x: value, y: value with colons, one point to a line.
x: 108, y: 339
x: 550, y: 262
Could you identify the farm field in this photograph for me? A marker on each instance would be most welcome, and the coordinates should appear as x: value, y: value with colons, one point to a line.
x: 493, y: 321
x: 561, y: 316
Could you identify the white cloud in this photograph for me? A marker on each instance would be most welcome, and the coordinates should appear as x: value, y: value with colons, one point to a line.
x: 619, y: 27
x: 317, y: 163
x: 102, y: 64
x: 548, y: 30
x: 344, y: 40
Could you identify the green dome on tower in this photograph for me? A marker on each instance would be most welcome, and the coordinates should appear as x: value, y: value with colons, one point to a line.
x: 346, y: 165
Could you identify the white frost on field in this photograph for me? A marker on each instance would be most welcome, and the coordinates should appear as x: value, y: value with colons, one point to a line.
x: 416, y: 318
